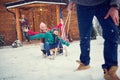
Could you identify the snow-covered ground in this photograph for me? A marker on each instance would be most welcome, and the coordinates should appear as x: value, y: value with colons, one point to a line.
x: 27, y: 63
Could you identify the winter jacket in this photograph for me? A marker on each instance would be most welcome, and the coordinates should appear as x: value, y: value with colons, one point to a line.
x: 48, y: 36
x: 95, y: 2
x: 24, y: 24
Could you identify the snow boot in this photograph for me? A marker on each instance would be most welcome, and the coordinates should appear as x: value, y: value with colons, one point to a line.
x: 82, y: 66
x: 44, y: 51
x: 60, y: 51
x: 51, y: 57
x: 111, y: 73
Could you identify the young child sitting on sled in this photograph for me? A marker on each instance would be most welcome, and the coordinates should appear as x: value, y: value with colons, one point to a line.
x: 44, y: 29
x: 52, y: 40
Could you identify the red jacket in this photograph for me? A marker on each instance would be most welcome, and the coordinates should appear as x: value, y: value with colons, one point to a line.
x: 58, y: 26
x: 31, y: 33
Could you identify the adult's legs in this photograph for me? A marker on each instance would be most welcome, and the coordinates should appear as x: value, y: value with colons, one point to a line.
x: 110, y: 35
x: 85, y: 16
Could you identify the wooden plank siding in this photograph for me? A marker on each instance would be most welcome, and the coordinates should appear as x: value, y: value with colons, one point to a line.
x: 7, y: 26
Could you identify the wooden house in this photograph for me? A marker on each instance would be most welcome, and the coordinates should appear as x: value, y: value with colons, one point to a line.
x: 47, y: 11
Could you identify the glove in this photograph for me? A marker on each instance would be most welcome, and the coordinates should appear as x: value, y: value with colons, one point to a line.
x: 67, y: 43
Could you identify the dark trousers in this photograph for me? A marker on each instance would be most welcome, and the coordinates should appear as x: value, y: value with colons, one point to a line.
x: 110, y: 33
x: 48, y: 46
x: 27, y: 36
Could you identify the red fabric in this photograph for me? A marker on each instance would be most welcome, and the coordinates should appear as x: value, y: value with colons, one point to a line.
x: 63, y: 31
x: 58, y: 26
x: 31, y: 33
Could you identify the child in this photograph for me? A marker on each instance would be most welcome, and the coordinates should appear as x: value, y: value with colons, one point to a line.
x: 51, y: 40
x: 25, y: 26
x: 44, y: 29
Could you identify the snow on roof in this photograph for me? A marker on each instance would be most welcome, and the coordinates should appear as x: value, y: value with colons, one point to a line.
x: 27, y: 2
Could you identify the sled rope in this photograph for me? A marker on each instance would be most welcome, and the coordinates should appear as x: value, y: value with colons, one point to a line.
x: 67, y: 21
x: 68, y: 27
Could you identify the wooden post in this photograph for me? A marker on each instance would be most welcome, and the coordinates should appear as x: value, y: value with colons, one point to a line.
x: 58, y: 14
x: 18, y: 27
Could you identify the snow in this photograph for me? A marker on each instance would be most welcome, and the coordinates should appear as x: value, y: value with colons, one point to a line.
x: 27, y: 63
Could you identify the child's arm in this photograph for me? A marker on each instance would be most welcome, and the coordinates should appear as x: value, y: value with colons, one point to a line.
x: 64, y: 42
x: 37, y: 36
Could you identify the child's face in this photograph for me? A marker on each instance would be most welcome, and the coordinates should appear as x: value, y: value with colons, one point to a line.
x: 23, y: 16
x: 56, y: 32
x: 44, y: 29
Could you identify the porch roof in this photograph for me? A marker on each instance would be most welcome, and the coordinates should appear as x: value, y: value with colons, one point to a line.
x: 27, y: 2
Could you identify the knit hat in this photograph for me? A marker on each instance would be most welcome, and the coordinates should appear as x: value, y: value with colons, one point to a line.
x: 42, y: 25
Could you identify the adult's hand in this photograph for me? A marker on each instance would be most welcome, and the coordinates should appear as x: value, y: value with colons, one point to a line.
x: 114, y: 14
x: 70, y: 6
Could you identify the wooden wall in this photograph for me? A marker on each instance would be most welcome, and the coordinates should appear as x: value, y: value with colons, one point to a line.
x: 36, y: 16
x: 7, y: 23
